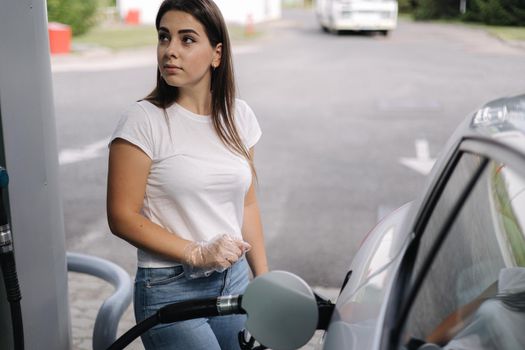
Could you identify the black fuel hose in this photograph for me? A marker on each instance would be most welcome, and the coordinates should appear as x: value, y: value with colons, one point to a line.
x: 7, y: 261
x: 181, y: 311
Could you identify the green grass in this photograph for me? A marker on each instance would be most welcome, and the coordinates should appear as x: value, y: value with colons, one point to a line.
x: 507, y: 33
x: 298, y: 5
x: 502, y: 32
x: 118, y: 37
x: 405, y: 16
x: 238, y: 33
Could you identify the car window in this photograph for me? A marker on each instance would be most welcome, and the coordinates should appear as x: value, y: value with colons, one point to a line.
x: 473, y: 296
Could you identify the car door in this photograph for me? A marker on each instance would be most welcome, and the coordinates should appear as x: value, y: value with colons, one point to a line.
x: 462, y: 280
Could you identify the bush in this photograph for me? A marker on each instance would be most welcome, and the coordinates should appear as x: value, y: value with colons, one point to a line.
x: 79, y: 14
x: 405, y: 6
x: 497, y: 12
x: 435, y: 9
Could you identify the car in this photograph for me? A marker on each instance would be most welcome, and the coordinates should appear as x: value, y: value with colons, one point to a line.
x: 447, y: 271
x: 357, y: 15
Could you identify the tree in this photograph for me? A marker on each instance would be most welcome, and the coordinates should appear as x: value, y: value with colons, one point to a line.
x: 497, y: 12
x: 406, y: 6
x: 494, y: 12
x: 435, y: 9
x: 79, y: 14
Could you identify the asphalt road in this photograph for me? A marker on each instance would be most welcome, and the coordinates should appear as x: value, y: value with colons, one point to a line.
x: 338, y: 114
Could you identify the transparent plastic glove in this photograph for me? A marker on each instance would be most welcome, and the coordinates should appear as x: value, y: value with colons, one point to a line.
x: 204, y: 257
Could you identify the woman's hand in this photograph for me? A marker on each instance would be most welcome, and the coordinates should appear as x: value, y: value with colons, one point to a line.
x: 202, y: 258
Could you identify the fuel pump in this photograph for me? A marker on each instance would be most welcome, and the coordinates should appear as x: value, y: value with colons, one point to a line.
x: 7, y: 262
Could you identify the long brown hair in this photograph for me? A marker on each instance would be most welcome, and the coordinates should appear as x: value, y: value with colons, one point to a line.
x: 222, y: 78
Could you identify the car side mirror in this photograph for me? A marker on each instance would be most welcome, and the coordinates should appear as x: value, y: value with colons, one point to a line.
x: 282, y: 310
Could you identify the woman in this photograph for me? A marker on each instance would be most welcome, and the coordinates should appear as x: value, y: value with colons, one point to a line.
x: 180, y: 184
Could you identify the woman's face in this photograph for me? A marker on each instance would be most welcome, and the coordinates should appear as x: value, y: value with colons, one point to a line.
x: 184, y: 52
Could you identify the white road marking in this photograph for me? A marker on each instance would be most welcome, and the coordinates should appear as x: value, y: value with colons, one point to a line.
x: 91, y: 151
x: 423, y: 163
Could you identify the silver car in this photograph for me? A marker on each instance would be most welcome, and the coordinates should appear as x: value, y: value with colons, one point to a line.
x: 447, y: 271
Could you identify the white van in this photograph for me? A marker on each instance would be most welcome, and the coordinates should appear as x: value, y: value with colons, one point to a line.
x: 358, y: 15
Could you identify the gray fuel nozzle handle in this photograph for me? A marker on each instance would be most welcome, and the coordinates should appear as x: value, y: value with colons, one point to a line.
x: 282, y: 310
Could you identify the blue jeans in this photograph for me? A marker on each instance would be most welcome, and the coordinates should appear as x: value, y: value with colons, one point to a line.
x: 157, y: 287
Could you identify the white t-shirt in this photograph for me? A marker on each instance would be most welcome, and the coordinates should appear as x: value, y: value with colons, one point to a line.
x: 196, y: 186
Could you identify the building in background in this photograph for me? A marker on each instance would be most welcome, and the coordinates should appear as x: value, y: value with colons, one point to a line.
x: 234, y: 11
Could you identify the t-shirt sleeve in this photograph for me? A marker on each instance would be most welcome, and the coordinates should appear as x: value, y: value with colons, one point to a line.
x: 135, y: 127
x: 248, y: 125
